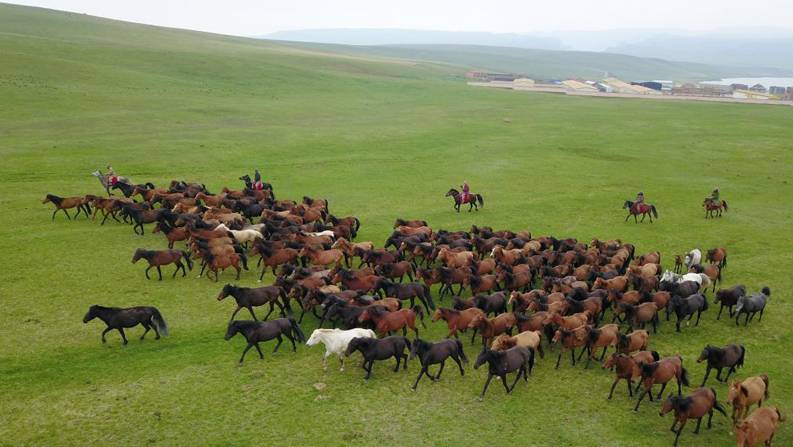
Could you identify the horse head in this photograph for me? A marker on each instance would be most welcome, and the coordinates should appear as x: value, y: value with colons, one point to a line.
x: 451, y: 193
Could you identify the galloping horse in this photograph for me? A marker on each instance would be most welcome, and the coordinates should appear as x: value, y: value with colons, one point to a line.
x: 714, y: 208
x: 643, y: 209
x: 471, y: 200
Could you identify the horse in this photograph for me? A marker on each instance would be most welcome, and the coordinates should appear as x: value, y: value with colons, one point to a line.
x: 64, y: 203
x: 693, y: 257
x: 501, y: 363
x: 489, y: 328
x: 745, y: 393
x: 434, y: 353
x: 750, y: 305
x: 662, y: 371
x: 259, y: 331
x: 120, y: 318
x: 627, y: 367
x: 387, y: 322
x: 643, y: 209
x: 106, y: 182
x: 730, y: 356
x: 635, y: 341
x: 687, y: 307
x: 714, y: 208
x: 639, y: 316
x: 379, y: 349
x: 604, y: 336
x: 729, y: 298
x: 527, y: 339
x: 471, y: 200
x: 717, y: 256
x: 249, y: 297
x: 570, y: 340
x: 759, y: 427
x: 336, y: 342
x: 157, y: 258
x: 407, y: 291
x: 696, y: 405
x: 222, y: 262
x: 457, y: 320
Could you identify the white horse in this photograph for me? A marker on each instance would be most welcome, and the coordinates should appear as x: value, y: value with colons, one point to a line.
x: 693, y: 257
x: 242, y: 236
x: 700, y: 278
x: 321, y: 233
x: 336, y: 341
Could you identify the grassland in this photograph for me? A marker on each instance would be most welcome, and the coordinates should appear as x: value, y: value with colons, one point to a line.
x: 379, y: 139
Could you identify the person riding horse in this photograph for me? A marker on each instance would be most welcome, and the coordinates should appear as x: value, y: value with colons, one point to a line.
x: 111, y: 175
x: 466, y: 191
x: 639, y: 201
x: 257, y: 180
x: 714, y: 197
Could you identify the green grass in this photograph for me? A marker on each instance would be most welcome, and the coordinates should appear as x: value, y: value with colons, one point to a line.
x: 379, y: 139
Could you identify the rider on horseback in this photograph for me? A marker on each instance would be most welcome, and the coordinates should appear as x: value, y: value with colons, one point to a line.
x: 466, y: 190
x: 639, y: 201
x: 714, y: 197
x: 257, y: 180
x: 111, y: 175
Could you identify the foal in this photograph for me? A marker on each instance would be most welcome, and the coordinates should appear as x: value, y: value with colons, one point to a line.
x: 730, y: 356
x: 118, y: 318
x: 379, y: 349
x: 258, y: 331
x: 500, y: 363
x: 433, y: 353
x: 696, y: 405
x: 157, y: 258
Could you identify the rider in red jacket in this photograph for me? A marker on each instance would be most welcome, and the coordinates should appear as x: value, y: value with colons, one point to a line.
x: 466, y: 191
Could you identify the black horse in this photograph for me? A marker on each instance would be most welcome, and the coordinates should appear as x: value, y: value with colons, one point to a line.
x: 127, y: 188
x: 471, y: 200
x: 379, y: 349
x: 500, y: 363
x: 411, y: 291
x: 729, y: 298
x: 120, y: 318
x: 687, y: 307
x: 249, y: 297
x: 258, y: 331
x: 434, y: 353
x: 730, y: 356
x: 750, y: 305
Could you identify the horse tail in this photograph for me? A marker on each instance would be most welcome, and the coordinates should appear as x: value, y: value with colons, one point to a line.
x: 765, y: 381
x: 420, y: 313
x: 428, y: 295
x: 159, y: 322
x: 187, y: 259
x: 531, y: 358
x: 655, y: 355
x: 716, y: 403
x: 739, y: 307
x: 704, y: 302
x: 740, y: 359
x: 655, y: 211
x: 766, y: 291
x: 296, y: 330
x: 684, y: 376
x: 724, y: 263
x: 357, y: 224
x: 481, y: 200
x: 465, y: 359
x: 724, y: 203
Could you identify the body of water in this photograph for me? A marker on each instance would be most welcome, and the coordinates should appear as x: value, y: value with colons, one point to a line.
x: 766, y: 82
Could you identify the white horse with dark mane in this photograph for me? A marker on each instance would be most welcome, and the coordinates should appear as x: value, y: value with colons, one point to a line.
x: 336, y: 341
x: 700, y: 278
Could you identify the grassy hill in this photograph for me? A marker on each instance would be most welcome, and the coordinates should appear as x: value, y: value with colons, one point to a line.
x: 380, y: 138
x: 550, y: 64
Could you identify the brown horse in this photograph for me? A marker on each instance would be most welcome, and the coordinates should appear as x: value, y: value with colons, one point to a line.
x: 172, y: 234
x: 602, y: 337
x: 388, y: 322
x: 157, y: 258
x: 717, y: 256
x: 636, y: 209
x: 662, y: 371
x: 457, y: 320
x: 627, y: 367
x: 759, y: 427
x: 714, y: 209
x: 745, y: 393
x: 489, y: 328
x: 222, y: 262
x: 526, y: 339
x: 570, y: 340
x: 66, y: 203
x: 696, y: 405
x: 635, y: 341
x: 471, y: 200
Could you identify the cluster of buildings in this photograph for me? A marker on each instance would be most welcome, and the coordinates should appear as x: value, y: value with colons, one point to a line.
x: 617, y: 86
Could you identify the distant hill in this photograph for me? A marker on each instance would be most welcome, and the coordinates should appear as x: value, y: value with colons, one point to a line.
x: 376, y: 36
x: 549, y: 64
x: 718, y: 50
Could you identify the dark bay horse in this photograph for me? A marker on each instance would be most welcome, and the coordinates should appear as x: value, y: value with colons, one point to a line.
x: 434, y: 353
x: 258, y: 331
x: 120, y: 318
x: 379, y: 349
x: 249, y: 297
x: 500, y: 363
x: 643, y: 209
x: 471, y: 200
x: 730, y: 356
x: 157, y: 258
x: 714, y: 208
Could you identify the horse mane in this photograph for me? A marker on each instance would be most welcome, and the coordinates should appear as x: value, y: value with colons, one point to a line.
x: 55, y: 199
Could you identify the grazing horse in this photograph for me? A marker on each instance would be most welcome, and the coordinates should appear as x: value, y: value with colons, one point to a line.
x: 745, y: 393
x: 157, y: 258
x: 714, y: 208
x: 336, y: 342
x: 434, y: 353
x: 64, y: 203
x: 643, y: 209
x: 259, y: 331
x: 120, y: 318
x: 249, y: 297
x: 750, y: 305
x: 730, y: 356
x: 687, y: 307
x: 696, y: 405
x: 379, y: 349
x: 729, y: 298
x: 759, y: 427
x: 471, y: 200
x: 628, y: 367
x: 500, y: 363
x: 662, y: 371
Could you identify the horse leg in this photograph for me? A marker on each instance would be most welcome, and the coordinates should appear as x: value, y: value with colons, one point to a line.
x: 272, y: 307
x: 729, y: 372
x: 277, y: 345
x: 558, y: 359
x: 159, y: 272
x: 699, y: 314
x: 398, y: 361
x: 67, y: 214
x: 761, y: 315
x: 291, y: 339
x: 108, y: 329
x: 233, y: 314
x: 707, y: 373
x: 641, y: 397
x: 628, y: 216
x: 663, y: 387
x: 718, y: 317
x: 456, y: 358
x: 438, y: 376
x: 614, y: 385
x: 147, y: 271
x: 245, y: 351
x: 602, y: 356
x: 123, y: 336
x: 147, y: 327
x: 572, y: 355
x: 178, y: 266
x: 487, y: 384
x: 421, y: 373
x: 261, y: 354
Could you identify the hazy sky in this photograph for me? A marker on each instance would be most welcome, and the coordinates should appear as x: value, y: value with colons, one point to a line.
x: 257, y: 17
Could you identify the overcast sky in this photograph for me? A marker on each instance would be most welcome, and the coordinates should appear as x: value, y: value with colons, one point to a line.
x: 258, y: 17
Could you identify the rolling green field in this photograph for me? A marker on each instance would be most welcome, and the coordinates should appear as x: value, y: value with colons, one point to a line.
x: 380, y: 138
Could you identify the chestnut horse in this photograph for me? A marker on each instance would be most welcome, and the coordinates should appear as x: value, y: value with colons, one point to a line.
x: 643, y: 209
x: 157, y: 258
x: 64, y: 203
x: 471, y: 200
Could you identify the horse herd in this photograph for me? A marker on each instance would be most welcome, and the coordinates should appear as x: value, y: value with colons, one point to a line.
x: 529, y: 295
